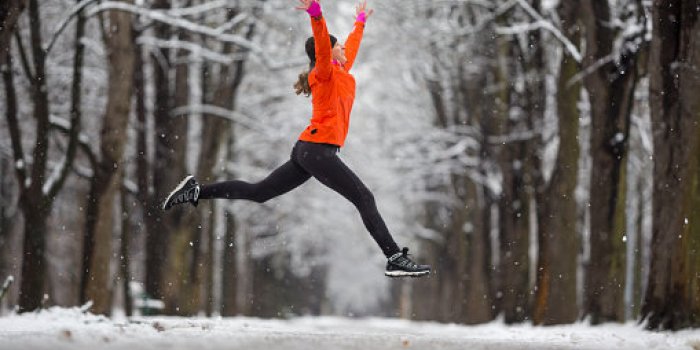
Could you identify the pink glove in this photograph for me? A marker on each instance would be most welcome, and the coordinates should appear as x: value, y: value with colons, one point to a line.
x: 362, y: 17
x: 314, y: 10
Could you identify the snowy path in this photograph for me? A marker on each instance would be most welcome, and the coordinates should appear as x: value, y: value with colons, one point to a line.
x: 70, y: 329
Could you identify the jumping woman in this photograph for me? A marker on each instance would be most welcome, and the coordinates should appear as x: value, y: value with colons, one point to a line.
x: 332, y: 91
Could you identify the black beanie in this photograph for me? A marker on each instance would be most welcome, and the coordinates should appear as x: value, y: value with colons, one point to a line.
x: 311, y: 48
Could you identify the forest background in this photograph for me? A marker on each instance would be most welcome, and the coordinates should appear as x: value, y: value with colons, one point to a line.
x: 543, y: 156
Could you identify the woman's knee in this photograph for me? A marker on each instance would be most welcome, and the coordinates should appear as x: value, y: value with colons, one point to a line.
x: 262, y: 193
x: 366, y: 198
x: 261, y: 196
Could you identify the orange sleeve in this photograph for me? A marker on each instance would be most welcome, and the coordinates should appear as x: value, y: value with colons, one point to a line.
x: 352, y: 44
x: 322, y: 42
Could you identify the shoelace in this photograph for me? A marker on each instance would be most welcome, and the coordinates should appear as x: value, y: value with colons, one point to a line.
x: 406, y: 262
x: 188, y: 195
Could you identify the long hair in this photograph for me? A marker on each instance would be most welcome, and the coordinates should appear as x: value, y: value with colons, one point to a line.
x: 302, y: 84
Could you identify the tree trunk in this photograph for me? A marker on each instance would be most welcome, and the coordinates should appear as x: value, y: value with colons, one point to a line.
x: 229, y: 290
x: 476, y: 302
x: 124, y: 257
x: 107, y: 179
x: 208, y: 263
x: 5, y: 175
x: 168, y: 164
x: 611, y: 91
x: 558, y: 241
x: 639, y: 248
x: 35, y: 205
x: 476, y: 203
x: 434, y: 250
x: 185, y: 229
x: 560, y: 247
x: 32, y: 286
x: 513, y: 281
x: 144, y: 177
x: 440, y: 254
x: 694, y: 252
x: 4, y: 222
x: 675, y: 111
x: 215, y: 132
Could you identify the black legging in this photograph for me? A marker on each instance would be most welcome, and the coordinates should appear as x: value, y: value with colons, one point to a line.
x: 322, y: 162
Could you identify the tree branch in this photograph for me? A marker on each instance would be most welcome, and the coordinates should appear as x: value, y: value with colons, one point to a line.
x: 74, y: 12
x: 233, y: 116
x: 41, y: 104
x: 8, y: 22
x: 161, y: 16
x: 568, y: 45
x: 23, y: 57
x: 12, y: 122
x: 54, y: 184
x: 164, y: 17
x: 83, y: 141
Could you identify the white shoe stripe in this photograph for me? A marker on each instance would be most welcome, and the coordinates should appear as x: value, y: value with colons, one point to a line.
x: 399, y: 273
x: 177, y: 188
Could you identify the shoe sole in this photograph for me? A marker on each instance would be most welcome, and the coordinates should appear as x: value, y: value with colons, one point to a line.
x: 405, y: 273
x: 177, y: 188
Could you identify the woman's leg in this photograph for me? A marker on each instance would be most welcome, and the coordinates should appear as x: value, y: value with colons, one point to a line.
x: 322, y: 162
x: 282, y: 180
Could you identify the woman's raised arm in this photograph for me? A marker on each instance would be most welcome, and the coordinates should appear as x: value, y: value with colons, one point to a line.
x: 352, y: 44
x: 322, y: 40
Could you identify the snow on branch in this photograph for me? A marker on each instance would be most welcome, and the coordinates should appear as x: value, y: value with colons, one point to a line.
x: 60, y: 170
x: 484, y: 3
x: 74, y: 11
x: 544, y: 24
x: 173, y: 17
x: 178, y: 12
x: 196, y: 49
x: 513, y: 137
x: 198, y: 9
x: 632, y: 42
x: 232, y: 23
x: 590, y: 69
x: 6, y: 286
x: 233, y: 116
x: 200, y: 52
x: 481, y: 25
x: 519, y: 28
x: 163, y: 17
x: 214, y: 33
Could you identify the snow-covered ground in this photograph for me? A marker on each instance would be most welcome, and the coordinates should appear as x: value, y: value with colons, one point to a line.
x: 59, y: 328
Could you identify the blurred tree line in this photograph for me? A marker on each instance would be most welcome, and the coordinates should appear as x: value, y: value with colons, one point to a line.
x: 560, y: 169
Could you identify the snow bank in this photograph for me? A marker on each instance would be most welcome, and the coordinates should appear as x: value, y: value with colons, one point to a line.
x: 60, y: 328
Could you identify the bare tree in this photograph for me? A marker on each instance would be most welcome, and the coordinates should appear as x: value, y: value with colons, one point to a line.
x: 512, y: 289
x: 105, y: 183
x: 673, y: 61
x: 168, y: 162
x: 611, y: 86
x: 37, y: 190
x: 558, y: 241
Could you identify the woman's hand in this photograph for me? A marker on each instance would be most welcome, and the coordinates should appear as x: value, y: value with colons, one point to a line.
x: 305, y: 4
x: 312, y: 7
x: 362, y: 13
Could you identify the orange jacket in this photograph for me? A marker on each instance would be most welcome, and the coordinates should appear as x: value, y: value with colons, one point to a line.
x: 332, y: 87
